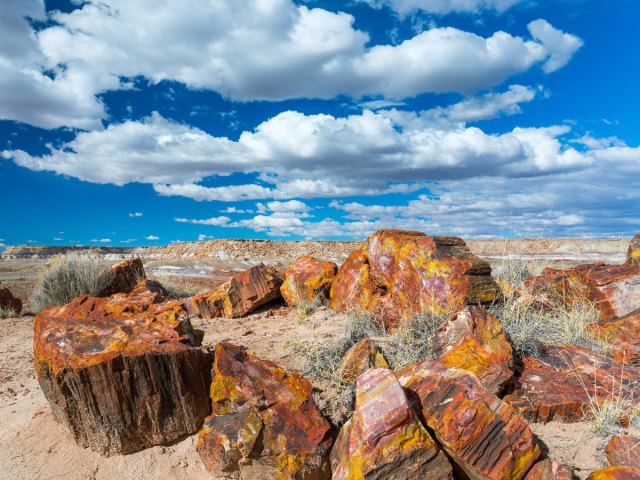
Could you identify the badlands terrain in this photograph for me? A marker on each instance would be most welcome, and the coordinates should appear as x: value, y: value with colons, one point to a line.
x: 33, y: 445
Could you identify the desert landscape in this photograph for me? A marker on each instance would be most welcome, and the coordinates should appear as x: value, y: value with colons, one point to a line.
x: 350, y: 344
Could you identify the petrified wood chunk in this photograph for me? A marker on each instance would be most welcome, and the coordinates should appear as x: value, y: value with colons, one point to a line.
x: 633, y: 253
x: 384, y: 438
x: 624, y: 337
x: 307, y: 279
x: 473, y: 339
x: 623, y: 451
x: 562, y: 381
x: 550, y: 470
x: 616, y: 473
x: 122, y: 372
x: 613, y: 289
x: 397, y: 274
x: 9, y: 302
x: 124, y: 277
x: 242, y: 294
x: 483, y: 435
x: 263, y: 419
x: 359, y: 358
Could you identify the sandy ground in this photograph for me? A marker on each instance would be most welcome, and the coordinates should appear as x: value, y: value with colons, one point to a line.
x: 34, y: 446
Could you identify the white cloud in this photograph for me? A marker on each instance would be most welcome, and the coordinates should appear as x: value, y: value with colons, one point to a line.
x: 235, y: 210
x: 101, y: 240
x: 283, y: 207
x: 443, y: 7
x: 129, y: 240
x: 215, y: 221
x: 561, y: 45
x: 151, y: 237
x: 58, y: 239
x: 202, y: 237
x: 135, y: 215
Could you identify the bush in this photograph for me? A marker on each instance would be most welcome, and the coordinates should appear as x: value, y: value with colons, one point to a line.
x: 67, y: 277
x: 413, y: 341
x: 7, y: 313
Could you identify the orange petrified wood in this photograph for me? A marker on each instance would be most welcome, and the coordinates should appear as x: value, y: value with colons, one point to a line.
x: 398, y: 273
x: 550, y: 470
x: 122, y: 372
x: 616, y: 473
x: 307, y: 279
x: 623, y: 451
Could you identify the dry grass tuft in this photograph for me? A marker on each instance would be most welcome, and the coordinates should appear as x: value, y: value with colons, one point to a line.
x: 304, y: 309
x: 7, y: 313
x: 177, y: 288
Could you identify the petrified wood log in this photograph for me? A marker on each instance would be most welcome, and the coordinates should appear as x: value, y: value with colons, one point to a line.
x: 359, y: 358
x: 9, y: 302
x: 633, y: 253
x: 124, y: 277
x: 624, y: 337
x: 242, y: 294
x: 264, y: 422
x: 123, y: 372
x: 616, y: 473
x: 550, y: 470
x: 397, y: 274
x: 307, y: 279
x: 473, y: 339
x: 483, y: 435
x: 623, y: 451
x: 384, y: 438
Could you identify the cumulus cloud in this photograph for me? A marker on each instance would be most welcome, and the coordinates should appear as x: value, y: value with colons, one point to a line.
x: 283, y: 207
x: 215, y: 221
x: 100, y: 240
x: 443, y: 7
x: 152, y: 237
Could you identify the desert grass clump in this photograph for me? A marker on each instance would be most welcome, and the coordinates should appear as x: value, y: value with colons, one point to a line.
x: 176, y: 288
x: 7, y: 313
x: 305, y: 308
x: 67, y: 277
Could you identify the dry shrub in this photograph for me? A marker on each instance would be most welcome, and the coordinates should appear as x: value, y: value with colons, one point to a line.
x: 176, y: 288
x: 7, y: 313
x: 66, y: 277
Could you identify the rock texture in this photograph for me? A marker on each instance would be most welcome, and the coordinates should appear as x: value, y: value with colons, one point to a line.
x: 242, y: 294
x: 623, y: 451
x: 483, y: 435
x: 559, y: 383
x: 122, y: 372
x: 359, y: 358
x: 307, y: 279
x: 613, y: 289
x: 9, y: 302
x: 263, y: 419
x: 124, y: 277
x: 633, y: 254
x: 550, y: 470
x: 616, y: 473
x: 384, y: 439
x: 398, y: 273
x: 472, y: 339
x: 623, y: 335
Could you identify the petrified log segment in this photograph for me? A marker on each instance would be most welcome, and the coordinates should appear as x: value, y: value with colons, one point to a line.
x: 384, y: 438
x: 359, y: 358
x: 122, y: 373
x: 613, y: 289
x: 9, y: 302
x: 307, y: 279
x: 263, y: 420
x: 124, y: 277
x: 550, y: 470
x: 473, y: 339
x: 633, y: 253
x: 483, y: 435
x: 397, y: 274
x: 558, y: 384
x: 616, y: 473
x: 623, y: 451
x: 624, y: 337
x: 240, y: 295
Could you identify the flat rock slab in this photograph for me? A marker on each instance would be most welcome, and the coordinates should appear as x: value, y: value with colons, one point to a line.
x: 123, y: 372
x: 397, y: 274
x: 384, y: 439
x: 623, y: 451
x: 264, y: 422
x: 483, y: 435
x: 307, y: 279
x: 9, y: 302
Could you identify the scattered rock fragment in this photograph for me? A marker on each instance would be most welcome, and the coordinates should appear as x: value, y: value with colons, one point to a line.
x: 472, y: 339
x: 616, y: 473
x: 550, y: 470
x: 123, y: 372
x: 384, y: 438
x: 483, y: 435
x: 359, y: 358
x: 264, y: 421
x: 307, y: 279
x: 398, y: 273
x: 623, y: 451
x: 9, y: 302
x: 124, y: 277
x: 633, y: 253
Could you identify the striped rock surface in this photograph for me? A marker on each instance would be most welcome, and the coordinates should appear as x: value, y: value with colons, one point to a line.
x: 550, y: 470
x: 633, y: 253
x: 359, y: 358
x: 307, y: 279
x: 623, y: 451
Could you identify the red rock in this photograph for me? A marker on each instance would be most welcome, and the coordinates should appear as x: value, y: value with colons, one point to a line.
x: 384, y: 438
x: 550, y: 470
x: 397, y: 274
x: 124, y: 277
x: 623, y: 451
x: 255, y: 399
x: 360, y: 358
x: 558, y: 384
x: 613, y: 289
x: 307, y: 279
x: 473, y: 339
x: 122, y: 372
x: 616, y: 473
x: 623, y: 335
x: 9, y: 302
x: 242, y: 294
x: 483, y: 435
x: 633, y: 253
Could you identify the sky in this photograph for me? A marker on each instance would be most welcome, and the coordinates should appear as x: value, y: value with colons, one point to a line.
x: 160, y: 121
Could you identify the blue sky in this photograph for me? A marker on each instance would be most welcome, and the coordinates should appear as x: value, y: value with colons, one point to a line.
x: 143, y: 123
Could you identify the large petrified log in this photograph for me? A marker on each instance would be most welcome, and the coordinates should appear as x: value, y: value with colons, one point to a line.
x: 242, y: 294
x: 623, y: 451
x: 384, y: 438
x: 122, y: 372
x: 9, y: 302
x: 307, y: 279
x: 483, y: 435
x: 359, y: 358
x: 124, y: 277
x: 623, y: 335
x: 563, y: 381
x: 264, y: 422
x: 550, y: 470
x: 616, y: 473
x: 633, y: 253
x: 473, y: 339
x: 613, y: 289
x: 397, y: 274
